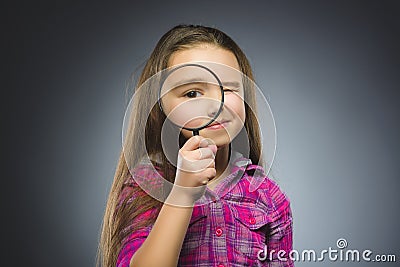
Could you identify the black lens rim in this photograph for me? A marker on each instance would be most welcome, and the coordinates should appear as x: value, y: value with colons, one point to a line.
x: 163, y: 79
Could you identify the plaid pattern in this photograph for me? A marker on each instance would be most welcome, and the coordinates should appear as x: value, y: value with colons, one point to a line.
x: 234, y: 225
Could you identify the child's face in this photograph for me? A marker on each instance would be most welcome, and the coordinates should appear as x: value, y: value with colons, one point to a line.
x: 232, y: 116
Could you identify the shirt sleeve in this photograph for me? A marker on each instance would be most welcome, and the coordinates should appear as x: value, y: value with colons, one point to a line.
x: 133, y: 242
x: 279, y: 239
x: 135, y: 239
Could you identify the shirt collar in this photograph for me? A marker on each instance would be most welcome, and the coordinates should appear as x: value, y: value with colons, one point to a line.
x: 241, y: 167
x: 255, y: 174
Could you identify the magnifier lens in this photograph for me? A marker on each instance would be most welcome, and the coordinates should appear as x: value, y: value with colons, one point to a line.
x: 191, y: 96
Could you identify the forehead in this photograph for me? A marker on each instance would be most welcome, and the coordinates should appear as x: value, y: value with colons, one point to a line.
x: 209, y: 53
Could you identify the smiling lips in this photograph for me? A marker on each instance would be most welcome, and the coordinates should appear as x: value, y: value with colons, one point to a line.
x: 217, y: 125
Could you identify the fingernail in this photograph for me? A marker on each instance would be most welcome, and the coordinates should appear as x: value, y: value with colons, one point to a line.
x: 203, y: 143
x: 213, y: 148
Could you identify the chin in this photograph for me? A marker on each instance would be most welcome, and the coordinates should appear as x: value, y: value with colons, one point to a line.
x: 220, y: 139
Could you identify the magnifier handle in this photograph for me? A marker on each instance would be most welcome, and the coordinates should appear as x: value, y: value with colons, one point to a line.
x: 195, y: 132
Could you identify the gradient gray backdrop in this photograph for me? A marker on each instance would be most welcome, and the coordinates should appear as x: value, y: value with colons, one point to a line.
x: 330, y: 70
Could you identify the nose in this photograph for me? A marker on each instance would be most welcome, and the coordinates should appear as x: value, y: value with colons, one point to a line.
x: 213, y: 109
x: 212, y: 114
x: 213, y: 96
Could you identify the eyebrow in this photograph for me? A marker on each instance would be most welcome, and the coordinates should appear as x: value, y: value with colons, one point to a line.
x: 182, y: 82
x: 233, y: 84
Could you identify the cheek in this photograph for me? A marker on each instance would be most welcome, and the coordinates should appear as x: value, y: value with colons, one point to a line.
x: 235, y: 104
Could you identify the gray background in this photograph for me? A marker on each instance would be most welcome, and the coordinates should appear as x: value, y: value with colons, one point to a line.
x: 330, y: 70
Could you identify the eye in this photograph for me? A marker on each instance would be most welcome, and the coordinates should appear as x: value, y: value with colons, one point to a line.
x: 193, y: 94
x: 228, y: 90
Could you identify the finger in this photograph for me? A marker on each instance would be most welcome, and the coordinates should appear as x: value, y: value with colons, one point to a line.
x: 198, y: 166
x: 205, y: 142
x: 195, y: 165
x: 213, y: 148
x: 206, y: 163
x: 192, y: 143
x: 205, y: 153
x: 210, y: 173
x: 198, y: 154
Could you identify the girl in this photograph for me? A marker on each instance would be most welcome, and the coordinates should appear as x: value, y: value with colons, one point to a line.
x: 238, y: 227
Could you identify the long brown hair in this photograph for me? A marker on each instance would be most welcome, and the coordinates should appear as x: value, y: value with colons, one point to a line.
x: 118, y: 216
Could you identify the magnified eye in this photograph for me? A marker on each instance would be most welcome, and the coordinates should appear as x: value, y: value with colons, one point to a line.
x: 193, y: 94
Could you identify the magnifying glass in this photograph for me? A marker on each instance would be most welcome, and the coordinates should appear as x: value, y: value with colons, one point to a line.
x: 191, y: 96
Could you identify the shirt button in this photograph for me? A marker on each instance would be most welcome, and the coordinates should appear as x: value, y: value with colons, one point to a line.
x: 252, y: 220
x: 221, y: 265
x: 218, y: 232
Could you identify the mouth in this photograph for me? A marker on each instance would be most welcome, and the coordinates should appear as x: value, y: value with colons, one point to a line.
x: 217, y: 125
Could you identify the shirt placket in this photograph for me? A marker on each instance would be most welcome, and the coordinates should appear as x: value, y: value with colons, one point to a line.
x: 218, y: 228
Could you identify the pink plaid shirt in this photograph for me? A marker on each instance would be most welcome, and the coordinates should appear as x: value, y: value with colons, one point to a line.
x: 234, y: 226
